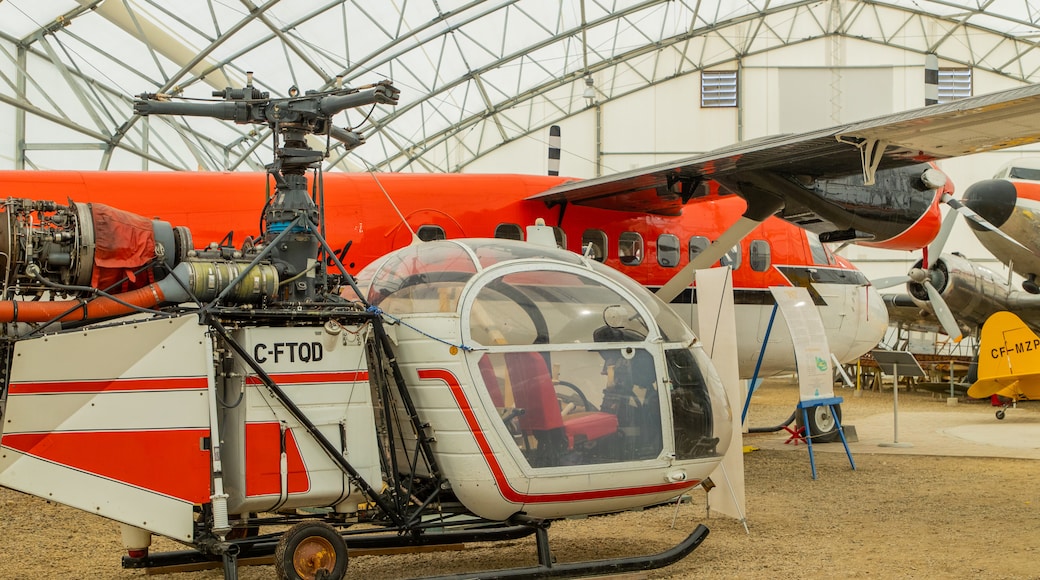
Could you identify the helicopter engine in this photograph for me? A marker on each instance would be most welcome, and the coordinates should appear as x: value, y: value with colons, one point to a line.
x: 80, y: 244
x: 52, y: 256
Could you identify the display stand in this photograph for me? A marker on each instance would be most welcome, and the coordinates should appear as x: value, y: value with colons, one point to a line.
x: 813, y: 360
x: 900, y: 363
x: 830, y: 402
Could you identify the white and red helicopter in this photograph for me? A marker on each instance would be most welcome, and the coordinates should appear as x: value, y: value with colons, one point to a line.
x: 456, y: 390
x: 226, y: 389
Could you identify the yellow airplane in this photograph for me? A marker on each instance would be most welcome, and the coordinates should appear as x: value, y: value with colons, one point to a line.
x: 1009, y: 361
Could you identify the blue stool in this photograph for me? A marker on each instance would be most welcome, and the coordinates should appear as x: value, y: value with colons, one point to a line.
x: 829, y: 402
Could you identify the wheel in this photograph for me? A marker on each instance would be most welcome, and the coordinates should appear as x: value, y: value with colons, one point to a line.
x: 1000, y: 414
x: 823, y: 427
x: 311, y: 551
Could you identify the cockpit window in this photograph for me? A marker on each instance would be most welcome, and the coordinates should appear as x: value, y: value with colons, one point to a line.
x: 1024, y: 173
x: 543, y: 307
x: 577, y: 407
x: 691, y: 407
x: 422, y: 277
x: 820, y: 255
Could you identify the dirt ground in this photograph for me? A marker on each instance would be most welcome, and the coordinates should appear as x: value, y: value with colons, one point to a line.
x: 896, y: 516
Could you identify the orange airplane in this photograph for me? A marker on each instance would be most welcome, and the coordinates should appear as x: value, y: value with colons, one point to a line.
x: 361, y: 221
x: 869, y: 182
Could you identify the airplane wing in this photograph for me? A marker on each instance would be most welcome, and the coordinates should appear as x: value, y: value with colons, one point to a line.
x: 819, y: 180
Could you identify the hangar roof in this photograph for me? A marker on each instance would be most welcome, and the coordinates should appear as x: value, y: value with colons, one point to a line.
x: 474, y: 75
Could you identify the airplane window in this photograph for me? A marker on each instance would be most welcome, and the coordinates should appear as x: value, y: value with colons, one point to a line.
x: 630, y: 248
x: 732, y: 257
x: 697, y: 245
x: 509, y: 232
x: 1024, y: 173
x: 428, y: 233
x: 759, y: 255
x: 819, y: 253
x: 668, y: 250
x: 598, y: 240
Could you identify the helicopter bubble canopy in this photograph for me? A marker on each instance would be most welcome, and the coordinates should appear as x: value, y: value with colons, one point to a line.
x: 558, y: 365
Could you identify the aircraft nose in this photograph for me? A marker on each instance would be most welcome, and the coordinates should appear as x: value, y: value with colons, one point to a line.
x: 993, y: 199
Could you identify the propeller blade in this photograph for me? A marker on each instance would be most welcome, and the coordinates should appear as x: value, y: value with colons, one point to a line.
x: 889, y: 281
x: 943, y: 313
x: 936, y: 247
x: 970, y: 214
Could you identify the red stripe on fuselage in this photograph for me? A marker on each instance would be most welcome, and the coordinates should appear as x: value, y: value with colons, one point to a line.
x: 263, y: 461
x: 169, y: 462
x: 106, y: 385
x: 311, y: 378
x: 504, y: 487
x: 1027, y: 190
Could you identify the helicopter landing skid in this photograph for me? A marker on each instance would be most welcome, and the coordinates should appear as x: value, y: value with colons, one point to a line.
x: 547, y: 569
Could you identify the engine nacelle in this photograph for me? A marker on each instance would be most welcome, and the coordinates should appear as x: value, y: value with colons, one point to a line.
x: 122, y: 261
x: 973, y: 292
x: 84, y: 245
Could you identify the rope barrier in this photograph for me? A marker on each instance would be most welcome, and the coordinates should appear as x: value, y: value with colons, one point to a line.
x: 380, y: 312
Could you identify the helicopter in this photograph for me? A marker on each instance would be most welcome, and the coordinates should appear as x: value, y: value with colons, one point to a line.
x: 455, y: 390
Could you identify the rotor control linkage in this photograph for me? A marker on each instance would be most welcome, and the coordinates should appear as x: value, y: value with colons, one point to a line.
x: 310, y: 111
x: 293, y: 210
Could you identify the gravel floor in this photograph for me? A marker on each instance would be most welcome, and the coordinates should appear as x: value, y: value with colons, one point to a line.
x: 896, y: 516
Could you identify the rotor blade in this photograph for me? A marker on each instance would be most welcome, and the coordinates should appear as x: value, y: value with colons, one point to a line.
x: 889, y: 281
x: 943, y: 313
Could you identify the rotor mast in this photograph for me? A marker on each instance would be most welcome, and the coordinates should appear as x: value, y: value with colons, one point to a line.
x: 292, y: 217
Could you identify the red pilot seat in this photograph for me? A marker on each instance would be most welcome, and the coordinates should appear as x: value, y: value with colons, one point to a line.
x: 535, y: 394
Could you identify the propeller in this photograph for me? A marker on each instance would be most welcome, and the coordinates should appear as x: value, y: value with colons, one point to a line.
x: 924, y: 275
x: 939, y: 306
x: 942, y: 311
x: 970, y: 214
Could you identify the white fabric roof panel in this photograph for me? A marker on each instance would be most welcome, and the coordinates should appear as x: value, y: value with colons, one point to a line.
x: 493, y: 71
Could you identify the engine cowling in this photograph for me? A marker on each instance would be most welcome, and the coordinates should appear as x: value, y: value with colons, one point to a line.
x: 84, y: 245
x: 972, y: 292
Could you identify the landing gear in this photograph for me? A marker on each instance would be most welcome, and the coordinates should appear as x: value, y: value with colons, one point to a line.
x: 311, y: 551
x: 822, y: 425
x: 1004, y: 403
